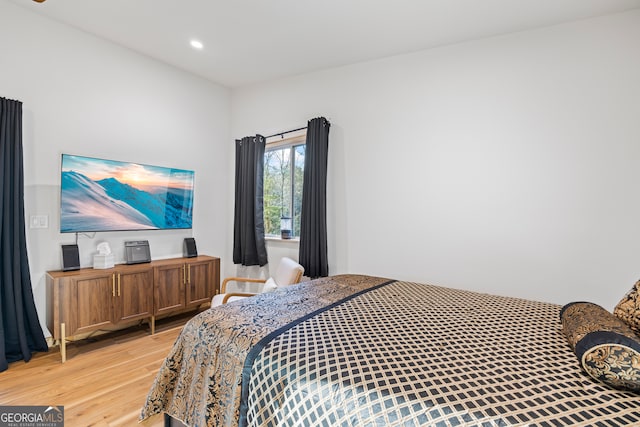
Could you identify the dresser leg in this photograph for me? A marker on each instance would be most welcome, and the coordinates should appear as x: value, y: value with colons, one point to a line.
x: 63, y: 343
x: 152, y: 323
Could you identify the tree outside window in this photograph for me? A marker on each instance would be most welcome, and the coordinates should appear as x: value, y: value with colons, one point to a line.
x: 283, y: 177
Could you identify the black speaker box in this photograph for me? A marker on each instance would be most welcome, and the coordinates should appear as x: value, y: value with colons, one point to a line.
x: 70, y: 258
x: 189, y: 247
x: 137, y: 252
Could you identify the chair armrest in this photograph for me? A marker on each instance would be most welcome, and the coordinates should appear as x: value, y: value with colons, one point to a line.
x: 236, y: 294
x: 223, y: 287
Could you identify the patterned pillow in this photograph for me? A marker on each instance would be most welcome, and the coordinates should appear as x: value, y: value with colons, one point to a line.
x: 628, y: 309
x: 606, y: 347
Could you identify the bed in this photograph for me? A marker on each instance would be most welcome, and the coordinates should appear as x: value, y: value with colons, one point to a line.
x: 354, y: 350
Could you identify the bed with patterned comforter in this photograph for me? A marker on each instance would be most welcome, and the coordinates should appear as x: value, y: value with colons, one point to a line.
x: 365, y: 351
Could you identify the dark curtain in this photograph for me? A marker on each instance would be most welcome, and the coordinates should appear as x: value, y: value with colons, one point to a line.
x: 20, y: 331
x: 313, y: 220
x: 248, y: 223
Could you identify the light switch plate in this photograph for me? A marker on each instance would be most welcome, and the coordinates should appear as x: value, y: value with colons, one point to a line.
x: 39, y: 221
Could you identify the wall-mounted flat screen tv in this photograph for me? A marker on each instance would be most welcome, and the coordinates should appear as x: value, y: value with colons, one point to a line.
x: 109, y: 195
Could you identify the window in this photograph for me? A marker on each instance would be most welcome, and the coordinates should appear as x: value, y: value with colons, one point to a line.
x: 283, y: 177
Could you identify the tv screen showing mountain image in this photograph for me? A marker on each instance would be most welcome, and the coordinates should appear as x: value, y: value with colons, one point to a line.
x: 108, y: 195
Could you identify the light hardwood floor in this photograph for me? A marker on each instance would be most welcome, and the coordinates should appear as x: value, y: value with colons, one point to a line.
x: 104, y: 381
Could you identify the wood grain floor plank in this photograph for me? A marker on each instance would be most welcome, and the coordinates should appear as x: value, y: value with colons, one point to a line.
x: 104, y: 381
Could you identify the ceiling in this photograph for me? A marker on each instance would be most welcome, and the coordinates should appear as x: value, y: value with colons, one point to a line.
x: 250, y: 41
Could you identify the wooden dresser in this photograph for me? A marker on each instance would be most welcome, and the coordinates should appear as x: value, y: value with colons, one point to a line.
x: 88, y: 299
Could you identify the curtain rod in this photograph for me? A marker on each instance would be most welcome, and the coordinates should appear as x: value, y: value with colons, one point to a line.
x: 286, y: 131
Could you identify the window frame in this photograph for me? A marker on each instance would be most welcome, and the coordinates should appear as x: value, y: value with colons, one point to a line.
x: 279, y: 143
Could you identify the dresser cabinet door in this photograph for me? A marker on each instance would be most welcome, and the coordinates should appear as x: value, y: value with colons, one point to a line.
x: 134, y: 294
x: 92, y: 301
x: 200, y: 282
x: 169, y: 288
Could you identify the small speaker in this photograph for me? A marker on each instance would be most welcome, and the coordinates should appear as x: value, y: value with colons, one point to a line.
x: 70, y: 258
x: 137, y: 251
x: 189, y: 247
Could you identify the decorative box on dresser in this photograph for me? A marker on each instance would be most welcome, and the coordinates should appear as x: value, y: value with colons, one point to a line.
x: 88, y: 299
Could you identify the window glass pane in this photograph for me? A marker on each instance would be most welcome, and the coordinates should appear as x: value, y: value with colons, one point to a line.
x: 298, y: 179
x: 277, y: 188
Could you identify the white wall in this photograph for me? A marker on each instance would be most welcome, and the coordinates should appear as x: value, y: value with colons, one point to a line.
x: 506, y: 165
x: 82, y: 95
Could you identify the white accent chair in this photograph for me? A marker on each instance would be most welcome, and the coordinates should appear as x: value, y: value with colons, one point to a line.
x: 288, y: 273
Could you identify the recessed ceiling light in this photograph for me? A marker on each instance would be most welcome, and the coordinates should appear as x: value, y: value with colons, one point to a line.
x: 196, y: 44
